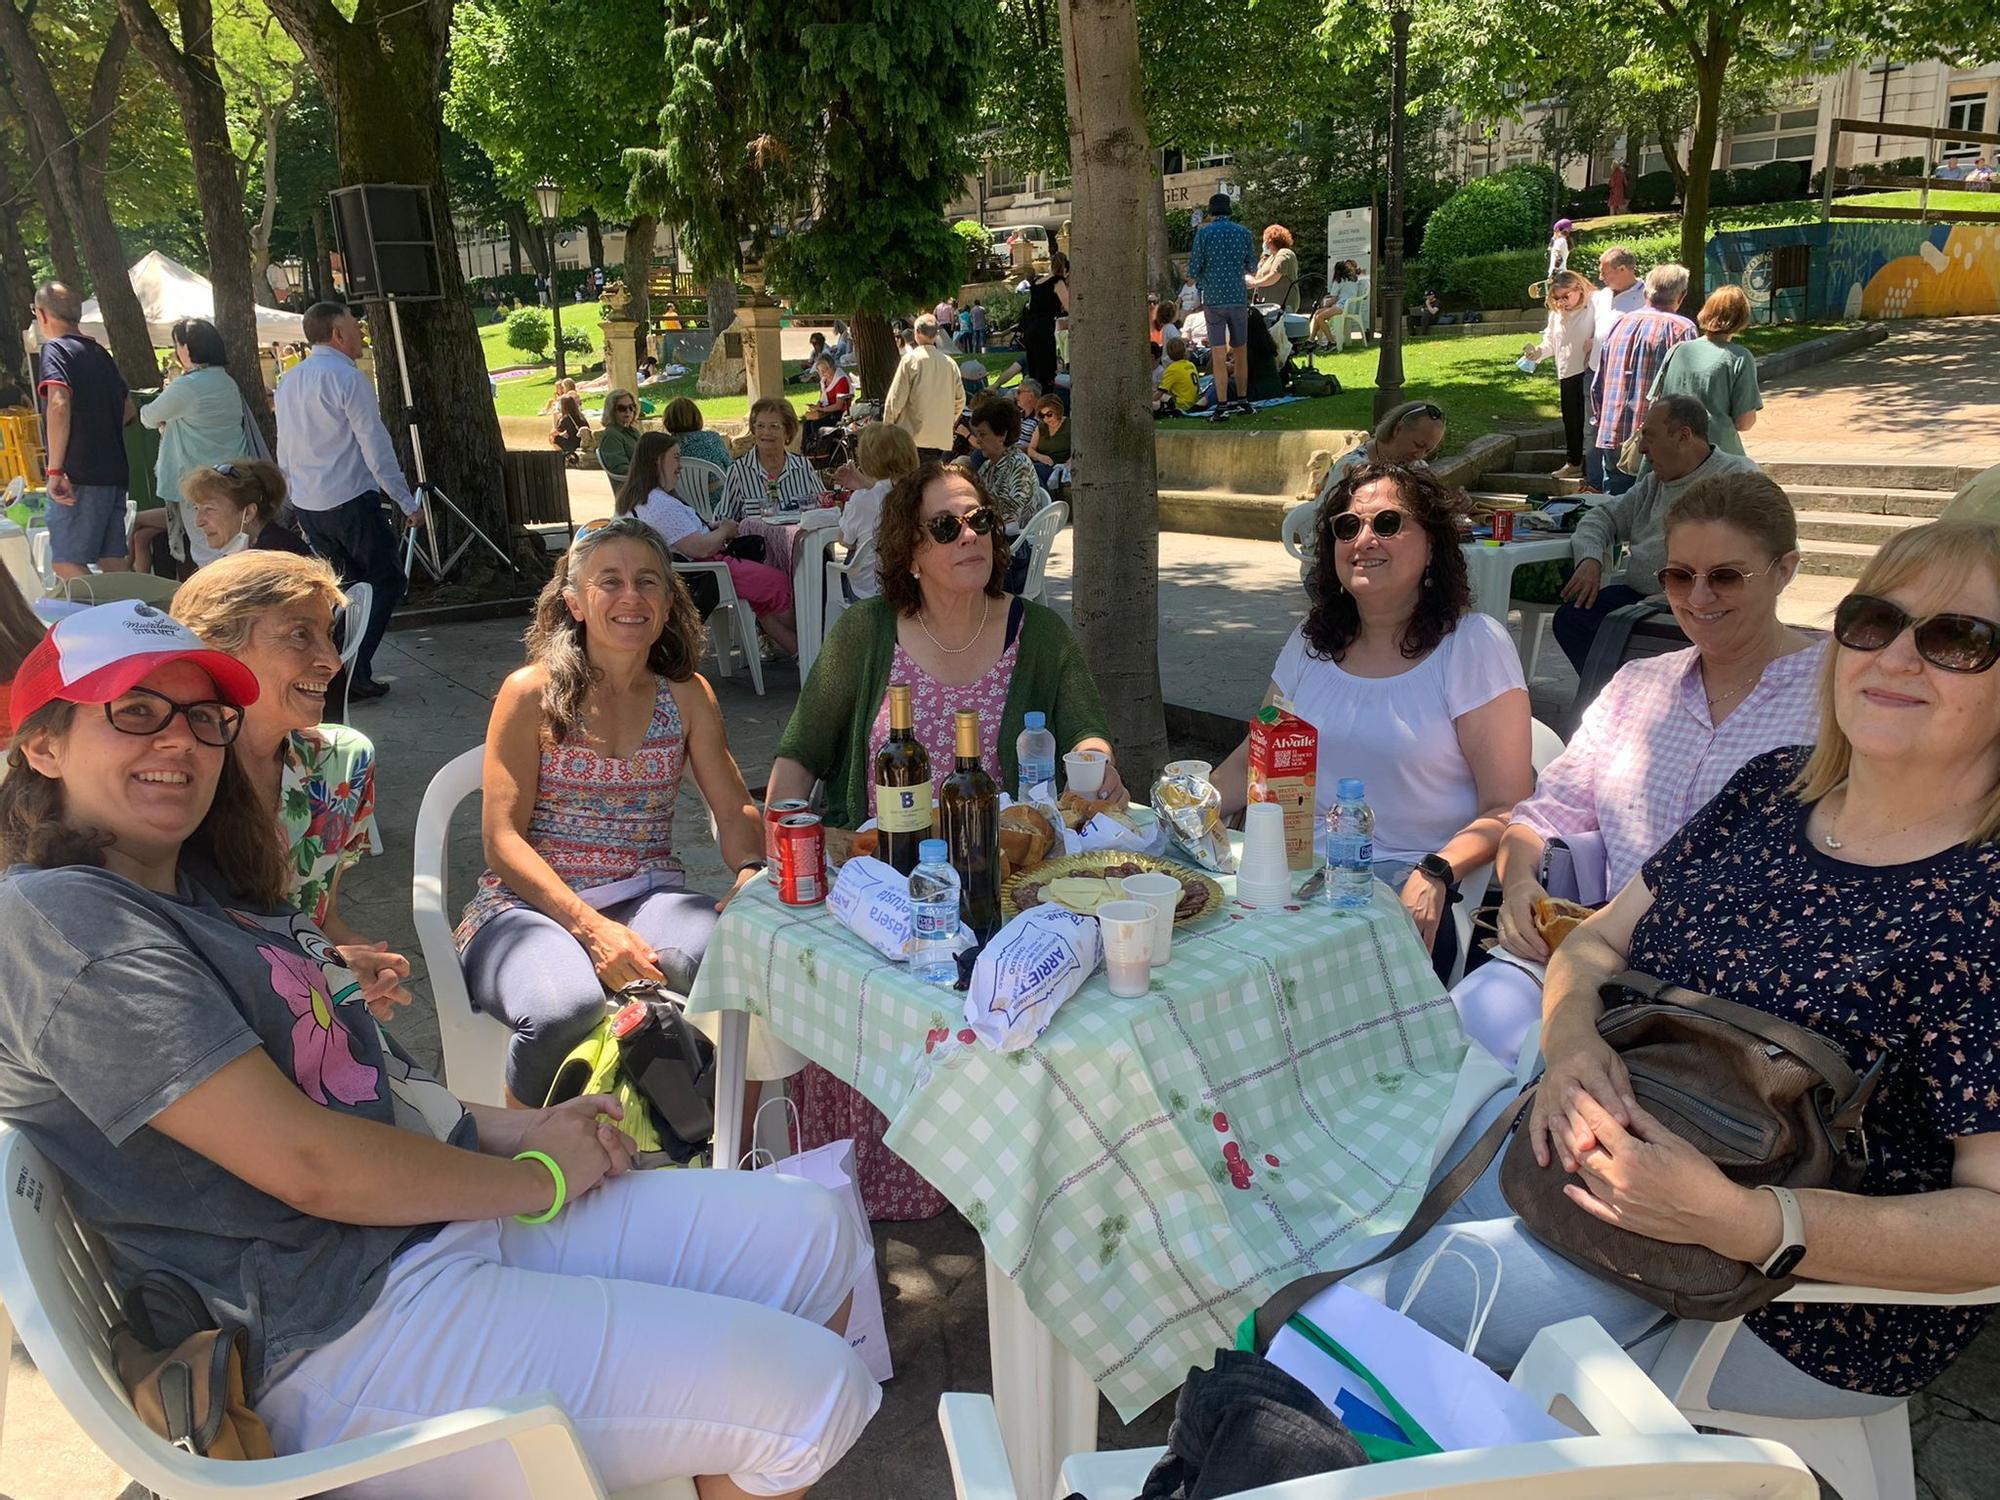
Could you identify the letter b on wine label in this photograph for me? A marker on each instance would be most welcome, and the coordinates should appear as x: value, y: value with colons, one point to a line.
x: 903, y: 809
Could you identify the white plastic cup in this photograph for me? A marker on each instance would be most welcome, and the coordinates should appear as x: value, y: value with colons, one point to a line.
x: 1162, y: 892
x: 1263, y: 861
x: 1200, y: 770
x: 1083, y: 771
x: 1127, y: 930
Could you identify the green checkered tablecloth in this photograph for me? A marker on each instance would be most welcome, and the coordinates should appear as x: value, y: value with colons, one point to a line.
x: 1149, y: 1169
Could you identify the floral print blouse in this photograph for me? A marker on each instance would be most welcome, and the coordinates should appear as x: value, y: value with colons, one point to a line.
x: 1899, y: 959
x: 326, y: 810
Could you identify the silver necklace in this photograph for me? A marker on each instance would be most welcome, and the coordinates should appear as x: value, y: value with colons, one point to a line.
x: 1827, y: 838
x: 985, y: 611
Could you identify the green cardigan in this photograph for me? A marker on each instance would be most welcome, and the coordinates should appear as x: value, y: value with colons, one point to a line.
x: 842, y: 698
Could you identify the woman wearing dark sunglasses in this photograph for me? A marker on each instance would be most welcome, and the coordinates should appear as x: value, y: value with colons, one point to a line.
x: 944, y: 624
x: 1665, y: 734
x: 620, y: 438
x: 1410, y: 691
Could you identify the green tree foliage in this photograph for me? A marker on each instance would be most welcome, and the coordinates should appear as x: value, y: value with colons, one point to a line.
x: 1487, y: 214
x: 830, y: 135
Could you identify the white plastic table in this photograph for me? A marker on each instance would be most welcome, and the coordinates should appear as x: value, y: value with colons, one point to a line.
x: 1492, y: 569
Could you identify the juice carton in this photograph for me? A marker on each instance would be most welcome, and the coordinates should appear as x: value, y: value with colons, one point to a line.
x: 1284, y: 767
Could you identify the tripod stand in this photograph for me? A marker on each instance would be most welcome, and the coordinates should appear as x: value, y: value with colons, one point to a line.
x: 421, y: 543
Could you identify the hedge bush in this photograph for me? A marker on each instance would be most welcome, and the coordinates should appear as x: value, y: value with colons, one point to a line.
x: 1487, y: 215
x: 1180, y: 231
x: 1653, y: 191
x: 528, y: 330
x: 1500, y: 281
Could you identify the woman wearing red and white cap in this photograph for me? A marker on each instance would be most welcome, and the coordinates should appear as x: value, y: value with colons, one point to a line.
x: 192, y: 1056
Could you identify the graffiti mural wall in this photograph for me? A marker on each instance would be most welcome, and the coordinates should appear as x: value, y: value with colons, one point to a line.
x: 1865, y: 269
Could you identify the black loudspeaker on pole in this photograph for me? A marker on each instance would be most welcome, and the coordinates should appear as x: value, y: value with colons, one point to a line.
x: 388, y: 242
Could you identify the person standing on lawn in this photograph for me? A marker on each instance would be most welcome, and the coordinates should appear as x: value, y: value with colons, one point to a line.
x: 340, y: 466
x: 1633, y: 352
x: 1222, y: 263
x: 85, y: 407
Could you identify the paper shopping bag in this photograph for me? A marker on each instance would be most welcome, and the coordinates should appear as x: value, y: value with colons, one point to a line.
x: 1402, y: 1391
x: 832, y: 1167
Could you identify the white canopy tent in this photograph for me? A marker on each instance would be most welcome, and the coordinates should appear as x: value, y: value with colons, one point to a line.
x: 169, y: 291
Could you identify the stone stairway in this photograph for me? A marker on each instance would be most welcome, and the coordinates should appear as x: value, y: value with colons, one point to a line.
x: 1846, y: 510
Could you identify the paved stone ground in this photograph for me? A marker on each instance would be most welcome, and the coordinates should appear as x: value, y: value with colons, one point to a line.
x: 1927, y: 395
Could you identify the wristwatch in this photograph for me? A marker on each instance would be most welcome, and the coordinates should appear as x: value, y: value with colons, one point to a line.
x: 752, y: 864
x: 1439, y: 869
x: 1791, y: 1237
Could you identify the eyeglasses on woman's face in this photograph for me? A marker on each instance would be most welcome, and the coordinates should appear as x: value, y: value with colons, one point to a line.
x: 143, y: 711
x: 1724, y: 583
x: 1384, y: 523
x: 946, y: 526
x: 1953, y: 643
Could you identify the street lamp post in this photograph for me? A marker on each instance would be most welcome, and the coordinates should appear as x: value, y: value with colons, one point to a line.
x: 548, y: 198
x: 1389, y: 361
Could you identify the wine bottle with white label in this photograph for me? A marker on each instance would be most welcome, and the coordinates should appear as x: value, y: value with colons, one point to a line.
x: 902, y: 787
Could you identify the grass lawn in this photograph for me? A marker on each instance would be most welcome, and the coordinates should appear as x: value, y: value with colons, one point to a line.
x: 1474, y: 379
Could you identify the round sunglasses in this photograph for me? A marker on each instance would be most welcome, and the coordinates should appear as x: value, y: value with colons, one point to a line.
x: 945, y: 526
x: 1722, y: 582
x: 1954, y: 643
x: 1384, y: 523
x: 143, y: 711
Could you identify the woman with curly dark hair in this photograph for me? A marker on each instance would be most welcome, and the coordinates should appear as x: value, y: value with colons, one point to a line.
x: 584, y: 755
x: 1410, y: 691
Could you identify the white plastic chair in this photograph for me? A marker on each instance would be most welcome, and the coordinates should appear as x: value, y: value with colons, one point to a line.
x: 701, y: 487
x: 1637, y: 1447
x: 1040, y: 535
x: 54, y: 1282
x: 475, y: 1045
x: 1544, y: 745
x: 354, y: 618
x: 729, y: 608
x: 1297, y: 534
x: 1864, y: 1458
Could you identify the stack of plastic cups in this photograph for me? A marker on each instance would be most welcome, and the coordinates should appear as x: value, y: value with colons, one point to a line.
x: 1263, y: 878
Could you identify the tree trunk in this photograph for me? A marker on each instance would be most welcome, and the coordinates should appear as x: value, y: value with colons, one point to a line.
x: 1117, y: 543
x: 1709, y: 72
x: 267, y: 216
x: 17, y: 281
x: 513, y: 248
x: 63, y: 254
x: 640, y: 236
x: 721, y: 302
x: 874, y: 354
x: 380, y: 74
x: 83, y: 202
x: 218, y: 181
x: 593, y: 233
x: 322, y: 253
x: 529, y: 235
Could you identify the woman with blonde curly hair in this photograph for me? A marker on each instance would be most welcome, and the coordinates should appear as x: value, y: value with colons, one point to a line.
x: 583, y: 892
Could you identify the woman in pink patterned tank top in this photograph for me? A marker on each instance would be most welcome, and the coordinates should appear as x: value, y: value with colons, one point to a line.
x: 584, y: 757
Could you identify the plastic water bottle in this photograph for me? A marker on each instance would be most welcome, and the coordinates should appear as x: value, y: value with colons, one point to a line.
x: 1350, y: 848
x: 934, y: 914
x: 1034, y: 754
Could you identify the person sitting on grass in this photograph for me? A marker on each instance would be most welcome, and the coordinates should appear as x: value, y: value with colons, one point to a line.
x: 649, y: 492
x: 620, y: 437
x: 571, y: 425
x: 1176, y: 391
x: 274, y: 613
x: 195, y: 1060
x: 683, y: 419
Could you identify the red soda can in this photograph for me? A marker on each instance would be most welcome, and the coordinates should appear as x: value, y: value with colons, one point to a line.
x: 1503, y: 526
x: 772, y: 815
x: 801, y: 860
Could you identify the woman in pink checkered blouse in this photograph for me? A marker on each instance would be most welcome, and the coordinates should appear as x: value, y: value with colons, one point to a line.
x: 1668, y: 731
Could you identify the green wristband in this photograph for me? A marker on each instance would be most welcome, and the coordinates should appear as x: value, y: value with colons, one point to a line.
x: 562, y: 1188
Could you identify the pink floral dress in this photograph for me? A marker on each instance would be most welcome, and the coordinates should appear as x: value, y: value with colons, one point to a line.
x: 830, y: 1110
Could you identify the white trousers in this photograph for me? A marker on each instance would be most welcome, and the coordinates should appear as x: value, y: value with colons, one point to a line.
x: 676, y: 1315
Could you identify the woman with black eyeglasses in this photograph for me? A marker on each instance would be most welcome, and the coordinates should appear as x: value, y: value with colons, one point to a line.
x: 1410, y: 690
x: 944, y: 624
x: 1665, y: 734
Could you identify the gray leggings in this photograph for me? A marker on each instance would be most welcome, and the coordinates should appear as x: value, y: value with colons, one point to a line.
x: 527, y: 970
x: 1539, y: 1287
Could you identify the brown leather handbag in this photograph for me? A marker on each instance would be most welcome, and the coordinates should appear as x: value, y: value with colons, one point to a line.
x: 1766, y: 1100
x: 191, y: 1393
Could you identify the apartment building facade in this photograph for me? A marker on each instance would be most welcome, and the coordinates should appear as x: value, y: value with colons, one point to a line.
x: 1920, y: 93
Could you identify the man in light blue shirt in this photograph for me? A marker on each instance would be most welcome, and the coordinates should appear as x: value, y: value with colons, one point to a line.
x: 339, y: 466
x: 1223, y: 258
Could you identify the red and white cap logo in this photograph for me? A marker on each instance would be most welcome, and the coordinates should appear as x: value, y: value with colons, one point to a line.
x: 98, y: 653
